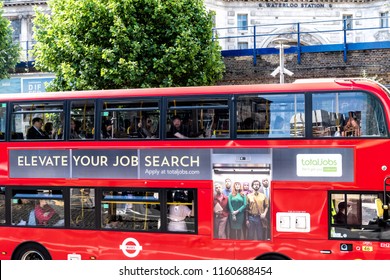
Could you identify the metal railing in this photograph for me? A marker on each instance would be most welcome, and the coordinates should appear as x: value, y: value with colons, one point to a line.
x: 305, y: 37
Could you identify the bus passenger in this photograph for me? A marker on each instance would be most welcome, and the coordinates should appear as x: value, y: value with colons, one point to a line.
x: 73, y: 130
x: 106, y: 129
x: 21, y: 211
x: 115, y: 222
x: 145, y: 128
x: 177, y: 215
x: 49, y: 130
x: 352, y: 127
x: 344, y: 214
x: 280, y: 128
x: 35, y: 131
x: 45, y: 214
x: 86, y: 198
x: 178, y: 129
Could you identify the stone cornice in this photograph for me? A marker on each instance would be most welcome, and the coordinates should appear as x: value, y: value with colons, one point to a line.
x: 24, y: 3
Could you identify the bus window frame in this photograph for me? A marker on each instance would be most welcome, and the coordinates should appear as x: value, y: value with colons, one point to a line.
x: 202, y: 98
x: 69, y: 117
x: 355, y: 231
x: 11, y: 113
x: 100, y: 110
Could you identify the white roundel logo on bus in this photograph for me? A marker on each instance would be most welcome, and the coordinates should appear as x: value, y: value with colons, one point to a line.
x: 132, y: 245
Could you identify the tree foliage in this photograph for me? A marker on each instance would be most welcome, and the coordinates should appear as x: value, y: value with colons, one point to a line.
x: 105, y: 44
x: 9, y: 51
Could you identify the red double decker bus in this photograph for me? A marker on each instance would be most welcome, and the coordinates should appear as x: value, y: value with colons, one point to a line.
x: 286, y: 171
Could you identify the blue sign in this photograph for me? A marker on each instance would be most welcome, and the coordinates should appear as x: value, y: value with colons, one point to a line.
x: 34, y: 85
x: 24, y: 84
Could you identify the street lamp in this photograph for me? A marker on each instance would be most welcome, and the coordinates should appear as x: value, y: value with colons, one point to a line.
x: 281, y: 44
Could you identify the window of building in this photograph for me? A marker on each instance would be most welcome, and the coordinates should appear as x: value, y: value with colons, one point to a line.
x: 242, y: 22
x: 242, y: 45
x: 17, y: 29
x: 347, y: 22
x: 213, y: 18
x: 384, y: 19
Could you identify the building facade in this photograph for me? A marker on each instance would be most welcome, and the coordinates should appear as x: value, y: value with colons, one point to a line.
x: 317, y: 21
x: 21, y: 14
x: 237, y: 21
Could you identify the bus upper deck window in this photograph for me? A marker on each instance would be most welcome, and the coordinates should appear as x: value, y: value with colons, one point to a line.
x: 347, y: 114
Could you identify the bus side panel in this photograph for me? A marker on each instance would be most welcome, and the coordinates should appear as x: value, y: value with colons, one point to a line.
x: 205, y: 214
x: 288, y: 204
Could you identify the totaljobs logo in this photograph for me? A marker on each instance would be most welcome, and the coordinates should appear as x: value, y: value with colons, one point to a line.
x: 319, y: 162
x: 319, y: 165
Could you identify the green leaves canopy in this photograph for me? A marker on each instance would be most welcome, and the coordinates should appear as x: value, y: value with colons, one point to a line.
x: 106, y: 44
x: 9, y: 51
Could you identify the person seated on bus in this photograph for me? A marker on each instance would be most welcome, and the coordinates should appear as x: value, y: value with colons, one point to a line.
x: 279, y: 128
x: 87, y: 200
x: 177, y: 215
x: 21, y: 211
x: 106, y: 129
x: 192, y: 130
x: 44, y: 214
x: 115, y: 222
x: 178, y: 129
x: 352, y: 126
x: 247, y: 128
x: 145, y: 126
x: 50, y: 131
x: 74, y: 130
x: 35, y: 131
x: 344, y: 214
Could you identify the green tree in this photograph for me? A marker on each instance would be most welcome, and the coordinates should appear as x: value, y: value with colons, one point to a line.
x: 9, y: 51
x: 106, y: 44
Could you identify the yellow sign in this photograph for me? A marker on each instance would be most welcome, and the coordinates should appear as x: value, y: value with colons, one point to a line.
x: 367, y: 249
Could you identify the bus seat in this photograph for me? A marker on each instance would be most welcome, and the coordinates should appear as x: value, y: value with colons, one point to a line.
x: 88, y: 135
x: 17, y: 135
x: 31, y: 219
x: 379, y: 207
x: 60, y: 223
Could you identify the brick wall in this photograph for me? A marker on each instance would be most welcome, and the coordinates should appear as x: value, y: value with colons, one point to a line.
x: 368, y: 63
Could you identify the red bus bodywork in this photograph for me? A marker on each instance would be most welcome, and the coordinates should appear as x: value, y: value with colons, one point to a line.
x: 287, y: 196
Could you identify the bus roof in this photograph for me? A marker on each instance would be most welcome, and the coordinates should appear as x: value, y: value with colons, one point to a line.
x: 302, y: 85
